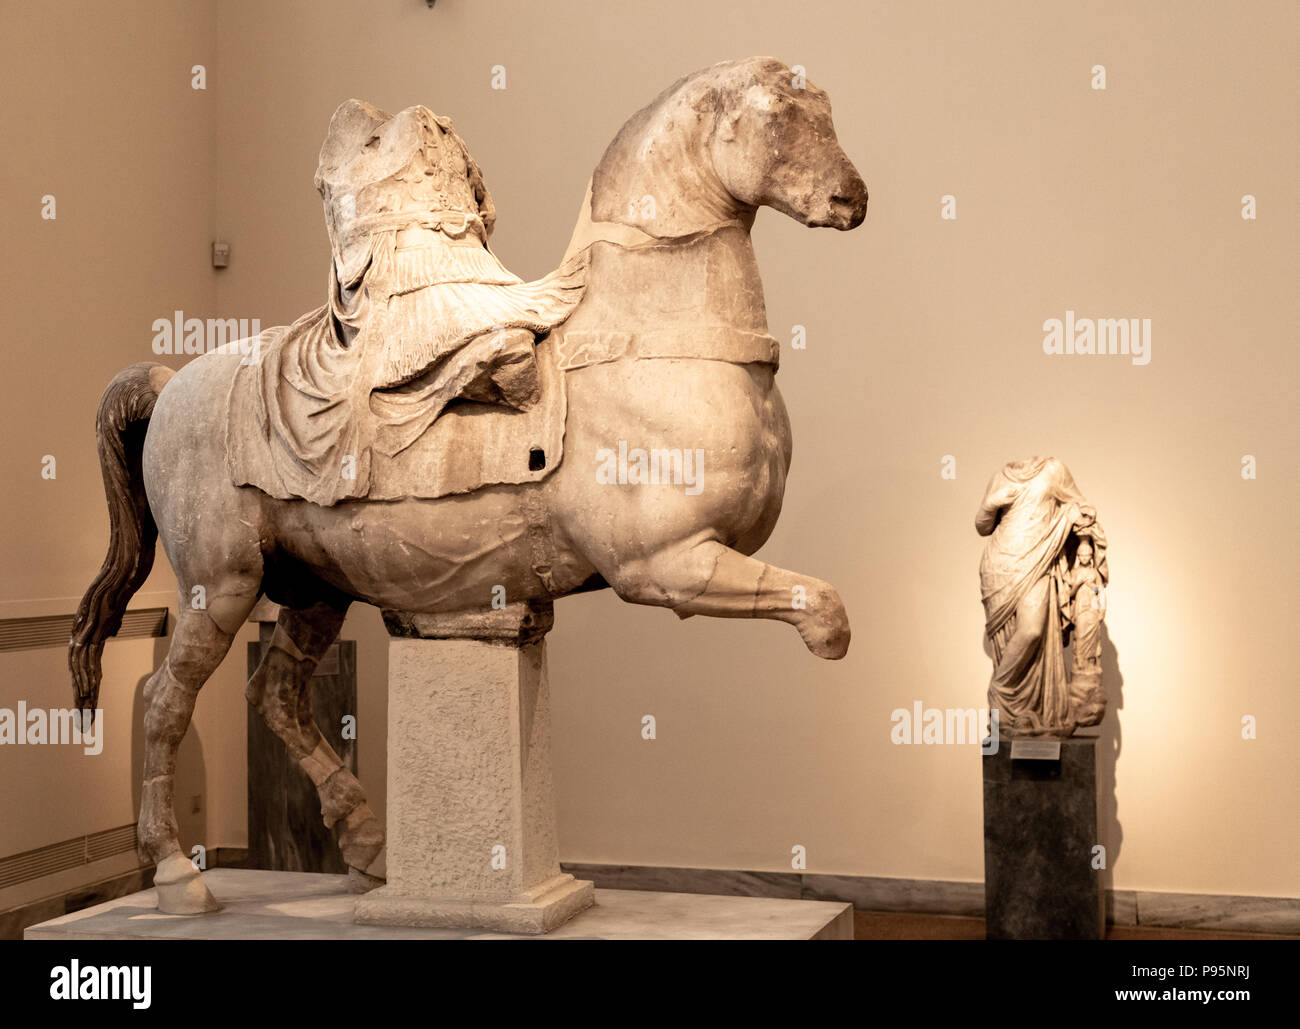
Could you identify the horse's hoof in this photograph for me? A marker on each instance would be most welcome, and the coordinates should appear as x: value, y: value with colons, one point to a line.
x: 825, y: 631
x: 360, y: 882
x: 833, y: 646
x: 361, y: 841
x: 181, y: 889
x: 378, y: 868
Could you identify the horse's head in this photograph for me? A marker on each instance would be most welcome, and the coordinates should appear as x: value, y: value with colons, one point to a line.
x: 774, y: 145
x: 720, y: 143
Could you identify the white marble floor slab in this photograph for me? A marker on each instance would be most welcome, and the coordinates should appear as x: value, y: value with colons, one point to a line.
x: 305, y: 906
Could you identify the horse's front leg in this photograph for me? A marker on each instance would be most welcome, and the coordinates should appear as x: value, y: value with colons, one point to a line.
x: 707, y: 578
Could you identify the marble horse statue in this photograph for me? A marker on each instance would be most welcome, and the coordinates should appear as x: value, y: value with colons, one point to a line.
x: 299, y: 465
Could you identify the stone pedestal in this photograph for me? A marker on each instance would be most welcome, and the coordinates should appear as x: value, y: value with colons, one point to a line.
x: 471, y: 811
x: 1040, y: 828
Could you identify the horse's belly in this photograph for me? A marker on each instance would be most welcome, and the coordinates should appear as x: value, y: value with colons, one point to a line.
x: 451, y: 554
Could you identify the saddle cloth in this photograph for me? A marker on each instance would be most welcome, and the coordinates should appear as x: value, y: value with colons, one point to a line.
x: 475, y: 444
x: 468, y: 446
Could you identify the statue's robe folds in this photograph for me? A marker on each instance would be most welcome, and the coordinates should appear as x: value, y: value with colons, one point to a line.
x: 437, y: 319
x: 1037, y: 505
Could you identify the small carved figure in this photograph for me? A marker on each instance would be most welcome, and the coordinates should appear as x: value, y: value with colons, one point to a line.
x: 1086, y: 609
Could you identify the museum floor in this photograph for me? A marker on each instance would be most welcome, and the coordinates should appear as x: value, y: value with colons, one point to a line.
x: 867, y: 925
x: 889, y: 925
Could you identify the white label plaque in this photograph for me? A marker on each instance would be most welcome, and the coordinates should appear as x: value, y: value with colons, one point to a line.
x: 1035, y: 750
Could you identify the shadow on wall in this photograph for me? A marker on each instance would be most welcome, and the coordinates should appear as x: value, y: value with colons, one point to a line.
x: 1108, y: 750
x: 190, y: 770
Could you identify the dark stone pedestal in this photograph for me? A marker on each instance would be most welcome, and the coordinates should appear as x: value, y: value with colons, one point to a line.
x: 285, y: 829
x: 1040, y: 828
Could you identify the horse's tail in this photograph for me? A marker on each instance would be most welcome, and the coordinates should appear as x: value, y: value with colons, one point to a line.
x: 124, y: 412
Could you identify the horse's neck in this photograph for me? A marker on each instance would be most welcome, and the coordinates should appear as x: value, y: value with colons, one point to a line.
x: 669, y: 244
x: 698, y: 285
x: 587, y: 230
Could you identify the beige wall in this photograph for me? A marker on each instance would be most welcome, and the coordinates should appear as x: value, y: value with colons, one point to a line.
x: 100, y: 113
x: 924, y: 339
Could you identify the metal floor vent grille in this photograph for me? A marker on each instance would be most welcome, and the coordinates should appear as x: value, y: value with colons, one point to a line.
x: 56, y: 630
x: 59, y: 857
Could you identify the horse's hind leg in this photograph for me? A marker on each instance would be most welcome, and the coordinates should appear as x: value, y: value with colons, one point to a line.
x: 707, y: 578
x: 197, y: 647
x: 280, y: 690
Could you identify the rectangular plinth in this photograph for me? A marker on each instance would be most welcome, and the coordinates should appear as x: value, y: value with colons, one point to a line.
x: 547, y: 908
x: 1040, y: 830
x: 304, y: 906
x: 471, y: 812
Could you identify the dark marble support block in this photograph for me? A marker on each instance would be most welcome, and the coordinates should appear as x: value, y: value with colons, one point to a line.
x: 1040, y: 828
x: 285, y: 829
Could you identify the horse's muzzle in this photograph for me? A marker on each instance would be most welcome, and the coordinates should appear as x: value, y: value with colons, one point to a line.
x: 848, y: 205
x: 848, y: 213
x: 845, y: 207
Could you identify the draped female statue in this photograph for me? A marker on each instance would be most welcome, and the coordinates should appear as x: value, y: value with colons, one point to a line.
x: 1041, y: 577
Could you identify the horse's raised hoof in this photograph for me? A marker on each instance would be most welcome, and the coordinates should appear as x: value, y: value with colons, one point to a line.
x: 833, y: 646
x: 825, y: 629
x: 181, y: 889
